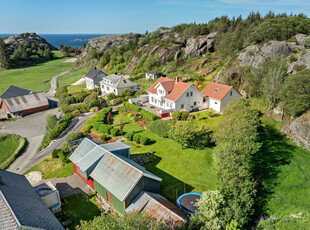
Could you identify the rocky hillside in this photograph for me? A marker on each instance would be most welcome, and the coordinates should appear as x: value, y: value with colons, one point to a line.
x: 26, y: 38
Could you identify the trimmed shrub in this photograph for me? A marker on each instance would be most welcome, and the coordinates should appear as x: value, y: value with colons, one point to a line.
x: 82, y: 108
x: 144, y: 140
x: 184, y: 115
x: 103, y: 137
x: 132, y: 107
x: 123, y: 109
x: 136, y: 138
x: 137, y: 117
x: 148, y: 115
x: 160, y: 127
x: 111, y: 96
x: 127, y: 93
x: 51, y: 121
x: 130, y: 115
x: 176, y: 115
x: 129, y: 136
x: 114, y: 132
x: 76, y: 113
x: 86, y: 129
x: 104, y: 128
x: 55, y: 153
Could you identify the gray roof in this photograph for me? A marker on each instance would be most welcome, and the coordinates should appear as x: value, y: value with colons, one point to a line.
x: 25, y: 102
x: 26, y: 206
x: 158, y: 207
x: 93, y: 73
x: 118, y: 145
x: 14, y: 91
x: 85, y: 147
x: 119, y: 175
x: 118, y: 81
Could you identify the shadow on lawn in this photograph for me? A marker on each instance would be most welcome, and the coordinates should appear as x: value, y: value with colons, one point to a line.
x: 170, y: 187
x: 275, y: 152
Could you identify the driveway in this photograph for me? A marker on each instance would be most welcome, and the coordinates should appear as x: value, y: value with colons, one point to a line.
x: 52, y: 90
x: 32, y: 127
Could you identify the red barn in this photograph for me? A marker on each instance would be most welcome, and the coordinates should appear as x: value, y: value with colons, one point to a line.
x: 17, y: 101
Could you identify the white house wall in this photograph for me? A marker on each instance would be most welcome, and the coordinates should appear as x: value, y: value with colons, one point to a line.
x: 89, y: 83
x: 189, y: 102
x: 215, y: 104
x: 231, y: 96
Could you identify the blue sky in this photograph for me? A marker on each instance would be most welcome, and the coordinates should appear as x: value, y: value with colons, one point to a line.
x: 121, y: 16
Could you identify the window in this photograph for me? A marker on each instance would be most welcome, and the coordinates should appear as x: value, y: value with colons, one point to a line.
x: 152, y: 99
x: 215, y: 102
x: 114, y: 90
x: 182, y: 106
x: 204, y: 99
x: 156, y: 101
x: 167, y: 104
x: 108, y: 88
x: 230, y: 93
x: 187, y: 94
x: 191, y: 94
x: 170, y: 106
x: 195, y: 103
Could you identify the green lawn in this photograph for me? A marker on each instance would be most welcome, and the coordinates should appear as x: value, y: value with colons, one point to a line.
x: 77, y: 207
x: 52, y: 167
x: 72, y: 77
x: 10, y: 147
x: 179, y: 168
x: 36, y: 78
x: 75, y: 88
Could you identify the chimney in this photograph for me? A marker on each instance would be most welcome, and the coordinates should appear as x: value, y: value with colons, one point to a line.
x: 1, y: 181
x: 177, y: 80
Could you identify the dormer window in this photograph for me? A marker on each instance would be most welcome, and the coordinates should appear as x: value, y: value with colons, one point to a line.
x: 215, y: 90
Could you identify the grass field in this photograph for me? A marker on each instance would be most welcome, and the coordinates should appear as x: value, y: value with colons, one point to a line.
x: 36, y: 78
x: 52, y: 167
x: 10, y: 147
x: 75, y: 88
x: 77, y: 207
x: 182, y: 170
x: 72, y: 77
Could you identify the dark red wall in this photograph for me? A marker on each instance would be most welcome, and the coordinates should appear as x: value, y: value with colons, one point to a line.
x: 28, y: 111
x: 4, y: 107
x: 90, y: 182
x: 164, y: 115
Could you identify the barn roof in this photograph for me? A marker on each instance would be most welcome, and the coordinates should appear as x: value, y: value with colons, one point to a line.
x: 115, y: 146
x: 20, y: 205
x: 25, y: 102
x: 158, y: 207
x: 216, y: 90
x: 93, y: 73
x: 14, y: 91
x: 119, y: 175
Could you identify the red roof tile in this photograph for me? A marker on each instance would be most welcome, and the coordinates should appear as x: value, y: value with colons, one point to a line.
x: 174, y: 89
x: 216, y: 90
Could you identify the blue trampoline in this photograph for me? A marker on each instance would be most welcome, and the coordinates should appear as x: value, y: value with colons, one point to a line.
x: 187, y: 202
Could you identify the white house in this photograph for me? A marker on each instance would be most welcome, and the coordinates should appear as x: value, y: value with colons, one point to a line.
x: 172, y: 95
x: 219, y: 95
x: 152, y: 74
x: 93, y: 78
x: 116, y: 84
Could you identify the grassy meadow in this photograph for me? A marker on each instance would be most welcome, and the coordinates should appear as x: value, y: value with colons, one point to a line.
x: 10, y: 147
x: 36, y: 78
x: 71, y: 78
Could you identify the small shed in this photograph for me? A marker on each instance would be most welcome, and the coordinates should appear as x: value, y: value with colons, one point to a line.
x: 50, y: 195
x: 153, y: 74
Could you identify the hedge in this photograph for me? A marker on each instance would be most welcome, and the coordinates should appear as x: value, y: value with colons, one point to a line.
x: 148, y: 115
x: 144, y: 140
x: 136, y: 137
x: 104, y: 128
x: 176, y: 115
x: 74, y: 136
x: 132, y: 107
x: 129, y: 136
x: 114, y: 132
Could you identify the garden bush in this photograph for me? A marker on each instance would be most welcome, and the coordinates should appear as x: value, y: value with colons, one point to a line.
x: 103, y: 137
x: 184, y: 115
x: 160, y: 127
x: 74, y: 136
x: 127, y: 93
x: 51, y: 121
x: 176, y: 115
x: 144, y: 140
x: 137, y: 117
x: 61, y: 92
x: 82, y: 108
x: 136, y: 138
x: 114, y: 132
x: 76, y: 113
x: 92, y: 100
x: 148, y: 115
x: 123, y: 109
x: 130, y: 115
x: 55, y: 153
x: 111, y: 96
x: 129, y: 136
x: 86, y: 129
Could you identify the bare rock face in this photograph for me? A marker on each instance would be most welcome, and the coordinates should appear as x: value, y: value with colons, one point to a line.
x: 299, y: 130
x: 26, y: 38
x: 300, y: 38
x: 255, y: 55
x: 303, y: 60
x: 199, y: 46
x: 105, y: 42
